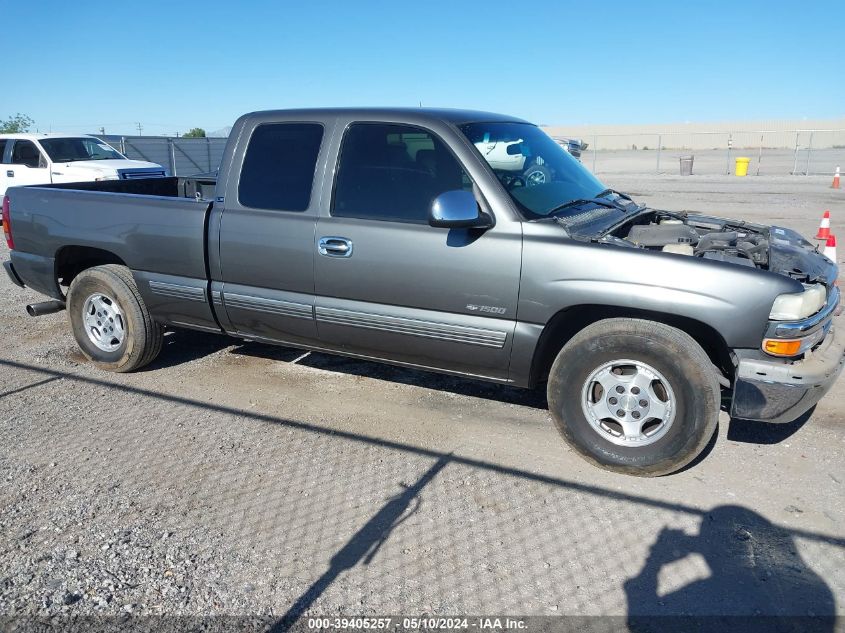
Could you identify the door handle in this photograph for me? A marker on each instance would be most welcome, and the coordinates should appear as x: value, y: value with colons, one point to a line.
x: 10, y: 173
x: 335, y: 246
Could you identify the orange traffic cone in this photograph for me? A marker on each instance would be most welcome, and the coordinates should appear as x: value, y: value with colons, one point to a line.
x: 835, y: 184
x: 830, y: 249
x: 824, y: 227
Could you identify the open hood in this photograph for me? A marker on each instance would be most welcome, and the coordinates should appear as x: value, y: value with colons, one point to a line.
x: 773, y: 248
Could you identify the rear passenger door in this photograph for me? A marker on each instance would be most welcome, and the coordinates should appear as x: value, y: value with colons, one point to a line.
x: 266, y: 230
x: 389, y: 285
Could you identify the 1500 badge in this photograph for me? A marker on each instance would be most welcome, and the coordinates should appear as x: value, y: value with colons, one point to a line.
x: 487, y: 309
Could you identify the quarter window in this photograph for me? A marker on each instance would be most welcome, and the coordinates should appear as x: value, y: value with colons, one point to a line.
x: 278, y: 168
x: 393, y: 172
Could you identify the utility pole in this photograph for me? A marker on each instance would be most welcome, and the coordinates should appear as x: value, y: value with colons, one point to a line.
x: 140, y: 129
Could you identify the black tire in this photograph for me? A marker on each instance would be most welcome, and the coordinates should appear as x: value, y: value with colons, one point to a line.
x: 673, y: 354
x: 537, y: 175
x: 141, y: 337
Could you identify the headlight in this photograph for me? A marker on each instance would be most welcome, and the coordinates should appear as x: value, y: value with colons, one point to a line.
x: 106, y: 176
x: 794, y: 307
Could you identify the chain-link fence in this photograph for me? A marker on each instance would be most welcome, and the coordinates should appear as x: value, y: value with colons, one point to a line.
x: 181, y: 156
x: 770, y: 152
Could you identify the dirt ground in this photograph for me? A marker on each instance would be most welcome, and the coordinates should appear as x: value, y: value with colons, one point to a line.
x: 242, y: 479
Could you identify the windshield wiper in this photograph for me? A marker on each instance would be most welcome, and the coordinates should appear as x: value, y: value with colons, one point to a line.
x: 582, y: 201
x: 607, y: 192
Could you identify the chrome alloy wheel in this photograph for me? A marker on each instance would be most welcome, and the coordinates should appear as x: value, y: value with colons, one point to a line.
x: 104, y: 322
x: 628, y: 403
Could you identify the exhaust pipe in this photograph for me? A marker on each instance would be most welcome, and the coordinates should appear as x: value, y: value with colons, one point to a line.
x: 45, y: 307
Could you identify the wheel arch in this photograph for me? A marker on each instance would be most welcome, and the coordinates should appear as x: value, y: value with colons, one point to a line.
x: 72, y: 260
x: 568, y: 322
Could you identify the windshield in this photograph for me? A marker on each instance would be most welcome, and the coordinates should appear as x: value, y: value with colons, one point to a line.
x: 537, y: 172
x: 67, y: 150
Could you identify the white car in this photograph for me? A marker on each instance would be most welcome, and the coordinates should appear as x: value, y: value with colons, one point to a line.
x: 497, y: 154
x: 40, y: 159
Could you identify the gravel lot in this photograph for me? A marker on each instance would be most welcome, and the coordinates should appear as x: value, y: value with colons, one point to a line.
x: 241, y: 479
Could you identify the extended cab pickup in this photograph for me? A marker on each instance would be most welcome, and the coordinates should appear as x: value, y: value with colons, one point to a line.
x: 386, y: 234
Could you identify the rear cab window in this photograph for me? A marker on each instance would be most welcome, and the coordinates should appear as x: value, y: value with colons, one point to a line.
x: 278, y: 167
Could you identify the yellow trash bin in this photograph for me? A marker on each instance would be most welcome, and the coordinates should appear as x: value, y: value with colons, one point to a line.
x: 742, y: 165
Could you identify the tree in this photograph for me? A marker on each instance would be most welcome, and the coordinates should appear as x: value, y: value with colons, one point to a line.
x: 19, y: 123
x: 196, y: 132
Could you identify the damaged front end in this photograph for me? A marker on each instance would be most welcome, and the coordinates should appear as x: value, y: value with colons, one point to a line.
x: 775, y: 249
x: 801, y: 353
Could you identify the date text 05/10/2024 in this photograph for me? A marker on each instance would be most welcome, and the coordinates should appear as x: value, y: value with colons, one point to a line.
x: 414, y: 623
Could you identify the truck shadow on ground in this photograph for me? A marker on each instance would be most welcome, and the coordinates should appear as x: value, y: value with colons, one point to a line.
x: 535, y: 398
x: 764, y: 432
x: 184, y: 346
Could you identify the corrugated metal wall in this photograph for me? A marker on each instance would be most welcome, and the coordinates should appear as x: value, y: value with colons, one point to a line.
x: 181, y: 156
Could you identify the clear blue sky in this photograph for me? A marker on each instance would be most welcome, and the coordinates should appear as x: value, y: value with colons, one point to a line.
x: 173, y: 65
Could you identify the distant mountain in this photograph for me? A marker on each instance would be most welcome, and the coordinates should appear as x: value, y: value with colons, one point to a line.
x: 221, y: 133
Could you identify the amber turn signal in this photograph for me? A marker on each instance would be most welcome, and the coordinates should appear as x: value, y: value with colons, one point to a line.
x: 778, y: 347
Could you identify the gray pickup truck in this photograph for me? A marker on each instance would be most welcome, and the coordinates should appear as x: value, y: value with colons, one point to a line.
x: 386, y: 234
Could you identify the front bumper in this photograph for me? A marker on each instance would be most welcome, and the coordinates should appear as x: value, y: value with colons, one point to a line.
x: 772, y: 391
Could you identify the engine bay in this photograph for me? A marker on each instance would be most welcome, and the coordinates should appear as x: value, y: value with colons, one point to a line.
x: 739, y: 244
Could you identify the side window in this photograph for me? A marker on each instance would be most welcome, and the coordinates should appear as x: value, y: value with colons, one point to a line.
x: 278, y: 168
x: 2, y: 150
x: 25, y: 153
x: 393, y: 172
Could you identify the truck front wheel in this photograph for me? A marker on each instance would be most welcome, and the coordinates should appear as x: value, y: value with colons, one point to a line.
x: 634, y: 396
x: 110, y: 322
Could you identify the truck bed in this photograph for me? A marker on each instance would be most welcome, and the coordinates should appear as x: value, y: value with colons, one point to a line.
x: 170, y: 187
x: 146, y: 223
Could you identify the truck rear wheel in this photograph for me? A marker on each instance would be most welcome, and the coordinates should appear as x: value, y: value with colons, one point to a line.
x: 110, y: 322
x: 634, y: 396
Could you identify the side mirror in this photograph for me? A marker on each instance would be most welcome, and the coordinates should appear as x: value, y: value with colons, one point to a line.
x: 458, y: 209
x: 514, y: 149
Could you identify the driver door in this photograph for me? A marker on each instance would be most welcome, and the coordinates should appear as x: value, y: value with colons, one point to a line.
x: 27, y: 166
x: 389, y: 285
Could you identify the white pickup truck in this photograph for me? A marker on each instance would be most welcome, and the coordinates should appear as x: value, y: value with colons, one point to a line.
x: 40, y: 159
